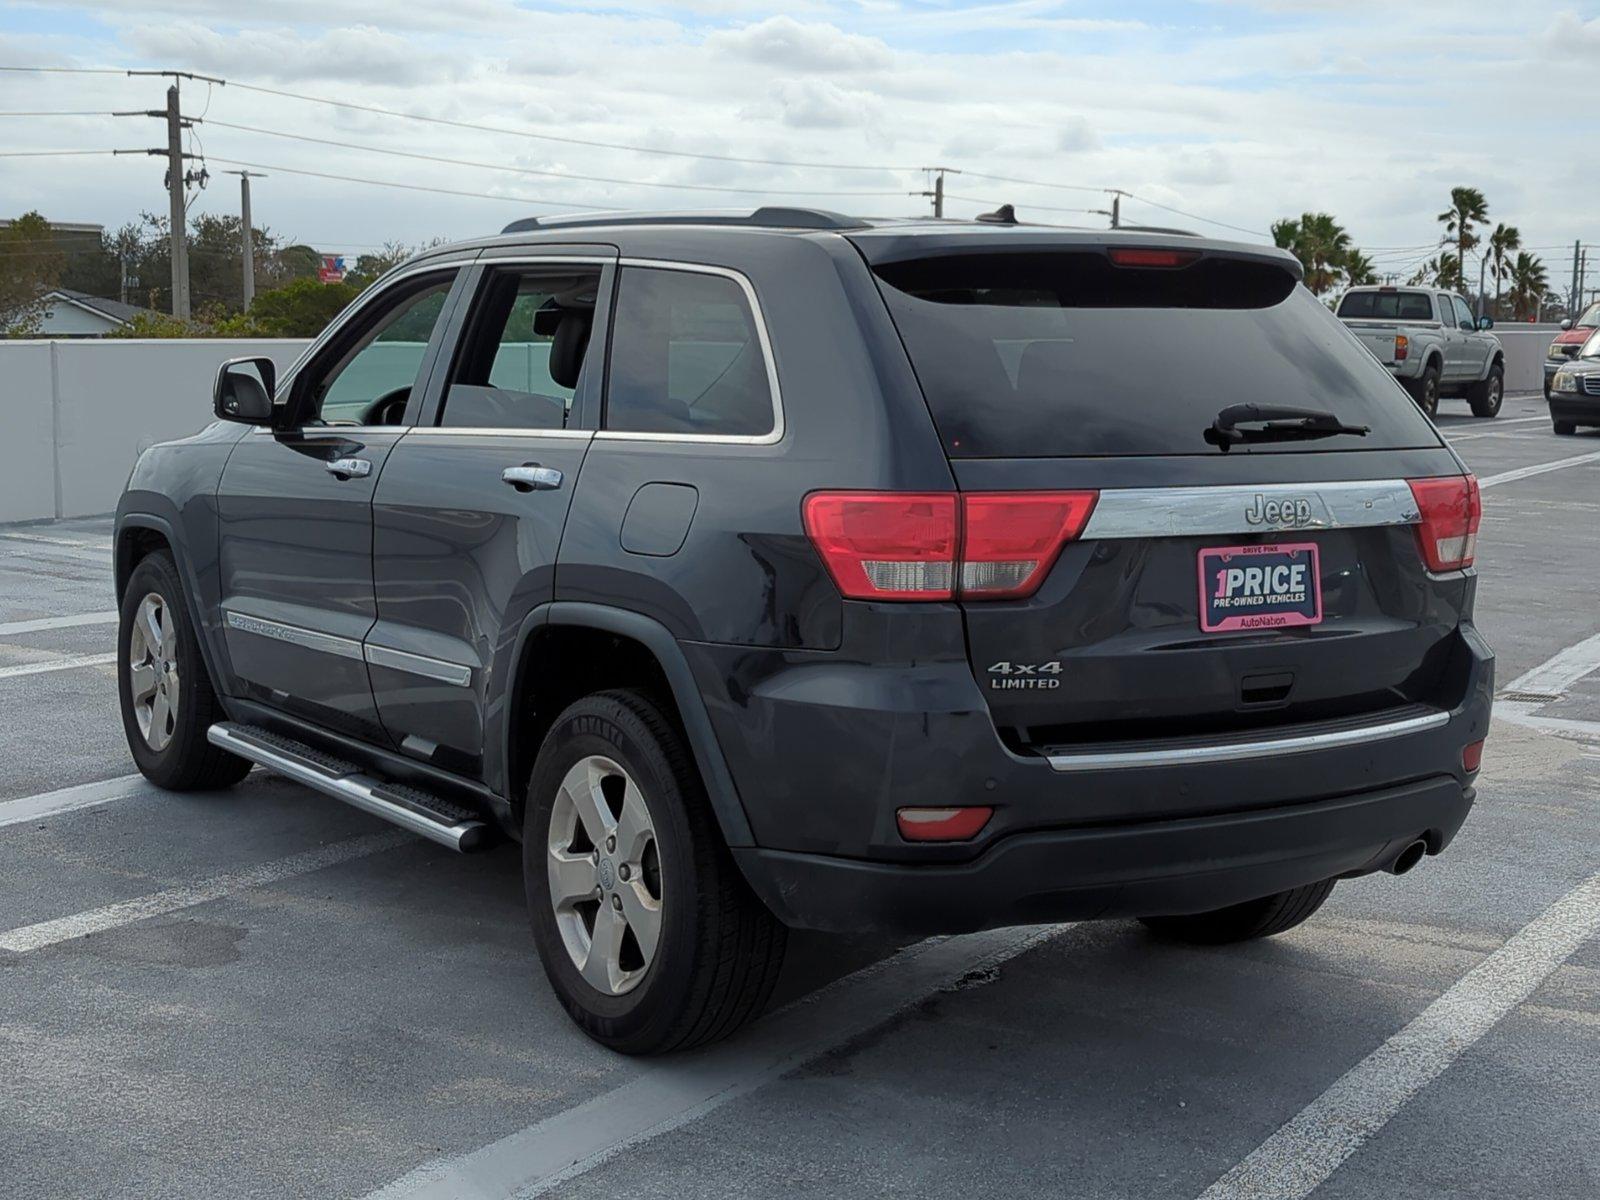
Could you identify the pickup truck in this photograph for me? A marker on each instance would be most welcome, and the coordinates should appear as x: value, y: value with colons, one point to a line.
x: 1430, y: 342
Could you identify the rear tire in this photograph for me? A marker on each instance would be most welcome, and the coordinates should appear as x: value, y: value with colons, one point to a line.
x: 1488, y: 394
x: 1426, y: 392
x: 1564, y: 428
x: 167, y: 699
x: 1244, y: 922
x: 710, y: 952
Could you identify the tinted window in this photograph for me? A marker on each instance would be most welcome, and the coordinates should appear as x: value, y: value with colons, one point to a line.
x: 685, y: 357
x: 370, y: 380
x: 524, y: 350
x: 1393, y: 306
x: 1043, y: 354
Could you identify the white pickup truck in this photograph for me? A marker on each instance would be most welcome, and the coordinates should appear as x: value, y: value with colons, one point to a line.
x: 1430, y: 342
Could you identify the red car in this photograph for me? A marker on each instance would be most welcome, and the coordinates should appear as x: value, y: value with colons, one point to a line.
x: 1565, y: 348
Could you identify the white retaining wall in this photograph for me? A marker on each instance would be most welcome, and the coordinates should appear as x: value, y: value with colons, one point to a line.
x: 75, y: 414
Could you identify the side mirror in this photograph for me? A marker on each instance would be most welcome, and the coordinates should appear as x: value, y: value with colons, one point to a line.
x: 1485, y: 322
x: 243, y: 391
x: 1566, y: 323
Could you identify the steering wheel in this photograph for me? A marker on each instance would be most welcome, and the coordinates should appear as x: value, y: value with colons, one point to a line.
x: 389, y: 408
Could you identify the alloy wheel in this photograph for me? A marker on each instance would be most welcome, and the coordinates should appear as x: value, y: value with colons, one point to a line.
x: 605, y: 875
x: 153, y: 680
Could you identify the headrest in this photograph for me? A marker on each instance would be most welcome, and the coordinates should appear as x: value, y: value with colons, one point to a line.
x: 568, y: 346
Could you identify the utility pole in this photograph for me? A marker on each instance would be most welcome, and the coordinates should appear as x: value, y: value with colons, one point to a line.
x: 1572, y: 301
x: 177, y: 232
x: 936, y: 193
x: 249, y: 233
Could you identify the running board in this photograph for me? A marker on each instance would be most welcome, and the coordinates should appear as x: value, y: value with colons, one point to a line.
x: 410, y: 808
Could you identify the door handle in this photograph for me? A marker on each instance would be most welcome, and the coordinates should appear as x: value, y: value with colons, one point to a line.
x: 531, y: 477
x: 350, y: 468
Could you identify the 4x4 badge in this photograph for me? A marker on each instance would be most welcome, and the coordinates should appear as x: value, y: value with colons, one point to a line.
x: 1278, y: 512
x: 1017, y: 676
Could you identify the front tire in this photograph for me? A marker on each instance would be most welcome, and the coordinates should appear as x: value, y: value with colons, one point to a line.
x: 1244, y: 922
x: 1564, y: 428
x: 1487, y: 395
x: 649, y: 935
x: 167, y: 699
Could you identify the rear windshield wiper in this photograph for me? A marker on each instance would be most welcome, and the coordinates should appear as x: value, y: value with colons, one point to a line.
x: 1271, y: 423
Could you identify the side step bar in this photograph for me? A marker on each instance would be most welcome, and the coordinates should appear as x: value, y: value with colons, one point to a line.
x: 410, y: 808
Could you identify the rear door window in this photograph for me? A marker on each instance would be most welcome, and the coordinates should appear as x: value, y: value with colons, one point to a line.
x: 1045, y: 354
x: 686, y: 357
x: 1392, y: 306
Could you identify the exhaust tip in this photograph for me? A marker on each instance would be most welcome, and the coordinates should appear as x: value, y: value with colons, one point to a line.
x: 1408, y: 858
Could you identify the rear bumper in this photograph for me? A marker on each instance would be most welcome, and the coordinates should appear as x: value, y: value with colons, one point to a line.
x: 824, y: 749
x: 1159, y: 868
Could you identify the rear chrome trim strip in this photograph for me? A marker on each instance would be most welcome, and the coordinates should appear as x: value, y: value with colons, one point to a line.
x: 310, y: 639
x: 1236, y: 751
x: 419, y: 664
x: 1206, y: 511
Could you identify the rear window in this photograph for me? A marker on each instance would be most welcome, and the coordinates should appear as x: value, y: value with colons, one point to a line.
x: 1033, y: 355
x: 1393, y: 306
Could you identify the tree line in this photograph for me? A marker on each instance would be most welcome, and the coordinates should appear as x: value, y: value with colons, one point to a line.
x: 1332, y: 262
x: 134, y: 264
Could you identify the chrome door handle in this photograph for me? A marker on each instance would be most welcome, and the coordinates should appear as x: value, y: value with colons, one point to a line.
x: 350, y: 468
x: 532, y: 478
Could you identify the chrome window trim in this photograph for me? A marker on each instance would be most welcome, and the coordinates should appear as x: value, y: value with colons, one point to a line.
x: 763, y: 338
x: 495, y: 432
x: 419, y: 664
x: 1184, y: 756
x: 1209, y: 511
x: 330, y: 430
x: 295, y: 635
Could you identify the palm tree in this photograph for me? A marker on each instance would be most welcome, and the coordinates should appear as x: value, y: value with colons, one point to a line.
x: 1502, y: 242
x: 1438, y: 272
x: 1358, y: 269
x: 1467, y: 206
x: 1529, y: 282
x: 1319, y: 242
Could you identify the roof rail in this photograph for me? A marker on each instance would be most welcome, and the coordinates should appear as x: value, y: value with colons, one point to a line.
x: 768, y: 217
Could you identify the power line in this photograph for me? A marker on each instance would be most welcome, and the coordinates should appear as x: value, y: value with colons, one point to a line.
x: 59, y: 112
x: 461, y: 162
x: 1040, y: 207
x: 1193, y: 216
x: 570, y: 141
x: 70, y: 70
x: 51, y: 153
x: 415, y: 187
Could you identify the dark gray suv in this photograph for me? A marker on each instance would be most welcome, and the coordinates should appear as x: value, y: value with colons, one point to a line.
x: 800, y: 570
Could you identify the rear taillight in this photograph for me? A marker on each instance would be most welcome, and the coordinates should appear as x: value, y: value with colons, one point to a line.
x: 1402, y: 347
x: 1450, y: 508
x: 1010, y: 539
x: 1472, y: 757
x: 935, y: 545
x: 886, y: 545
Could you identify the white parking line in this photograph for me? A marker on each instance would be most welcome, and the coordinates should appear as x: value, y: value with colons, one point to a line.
x: 1302, y: 1154
x: 57, y: 664
x: 1555, y: 675
x: 28, y: 938
x: 1477, y: 433
x: 39, y: 623
x: 671, y: 1094
x: 84, y: 795
x: 1538, y: 469
x: 99, y: 544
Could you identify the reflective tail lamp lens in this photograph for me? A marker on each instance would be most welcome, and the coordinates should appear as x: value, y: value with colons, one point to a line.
x: 935, y: 546
x: 1451, y: 508
x: 941, y: 824
x: 1402, y: 347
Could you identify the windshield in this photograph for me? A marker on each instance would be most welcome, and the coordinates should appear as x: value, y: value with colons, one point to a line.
x: 1591, y: 348
x: 1032, y: 355
x: 1402, y: 306
x: 1590, y: 318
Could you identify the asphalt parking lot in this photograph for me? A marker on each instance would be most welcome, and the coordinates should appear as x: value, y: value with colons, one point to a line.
x: 262, y: 993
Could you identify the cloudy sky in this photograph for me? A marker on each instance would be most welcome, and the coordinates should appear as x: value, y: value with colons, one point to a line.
x: 1233, y: 111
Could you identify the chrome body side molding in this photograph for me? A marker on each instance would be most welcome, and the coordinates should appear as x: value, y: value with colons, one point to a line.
x: 1266, y: 508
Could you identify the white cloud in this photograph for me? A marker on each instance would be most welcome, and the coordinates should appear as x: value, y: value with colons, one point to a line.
x: 361, y: 53
x: 822, y: 104
x: 784, y: 42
